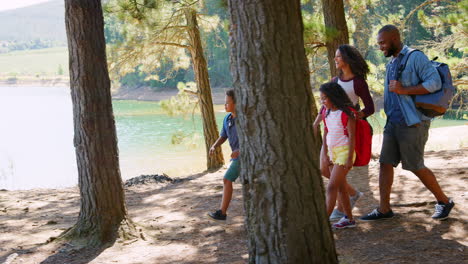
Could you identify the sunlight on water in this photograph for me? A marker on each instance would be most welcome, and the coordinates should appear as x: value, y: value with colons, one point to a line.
x: 36, y: 139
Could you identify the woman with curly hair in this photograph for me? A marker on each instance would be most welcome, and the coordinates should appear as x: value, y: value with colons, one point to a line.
x: 352, y: 75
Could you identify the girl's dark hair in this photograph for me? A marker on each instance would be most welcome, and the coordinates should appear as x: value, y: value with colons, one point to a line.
x: 351, y: 56
x: 338, y: 97
x: 231, y: 94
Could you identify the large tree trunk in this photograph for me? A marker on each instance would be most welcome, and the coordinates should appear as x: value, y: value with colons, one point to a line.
x: 284, y: 200
x: 102, y: 197
x: 200, y: 68
x: 335, y: 21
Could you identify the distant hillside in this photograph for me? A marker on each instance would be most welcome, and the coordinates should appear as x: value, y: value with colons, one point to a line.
x: 42, y: 21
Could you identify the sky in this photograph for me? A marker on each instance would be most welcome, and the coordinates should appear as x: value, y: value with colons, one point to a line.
x: 13, y: 4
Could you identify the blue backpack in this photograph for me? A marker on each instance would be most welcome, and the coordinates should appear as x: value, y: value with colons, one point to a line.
x: 436, y: 103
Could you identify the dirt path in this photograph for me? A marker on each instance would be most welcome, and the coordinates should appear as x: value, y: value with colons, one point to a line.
x: 177, y: 230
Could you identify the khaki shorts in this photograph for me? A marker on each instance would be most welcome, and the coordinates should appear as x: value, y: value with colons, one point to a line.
x: 405, y: 144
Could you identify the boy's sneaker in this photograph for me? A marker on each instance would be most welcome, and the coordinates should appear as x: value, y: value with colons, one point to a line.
x: 336, y: 214
x: 355, y: 198
x: 344, y: 223
x: 442, y: 210
x: 217, y: 215
x: 376, y: 215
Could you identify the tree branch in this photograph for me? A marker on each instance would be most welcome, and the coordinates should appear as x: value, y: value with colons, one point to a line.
x: 171, y: 44
x: 191, y: 92
x: 428, y: 2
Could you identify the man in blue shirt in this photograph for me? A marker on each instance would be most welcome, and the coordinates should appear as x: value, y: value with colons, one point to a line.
x: 406, y: 130
x: 228, y: 132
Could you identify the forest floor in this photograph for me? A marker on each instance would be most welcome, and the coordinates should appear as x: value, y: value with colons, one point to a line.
x: 173, y: 218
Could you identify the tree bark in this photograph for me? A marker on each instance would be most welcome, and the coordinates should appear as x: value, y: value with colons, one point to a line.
x: 200, y: 68
x: 102, y: 197
x: 335, y: 21
x: 284, y: 200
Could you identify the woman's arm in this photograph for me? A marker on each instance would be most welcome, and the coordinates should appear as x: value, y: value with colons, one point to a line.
x: 362, y: 90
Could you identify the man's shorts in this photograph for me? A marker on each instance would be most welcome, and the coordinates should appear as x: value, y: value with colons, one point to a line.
x: 233, y: 171
x: 406, y: 144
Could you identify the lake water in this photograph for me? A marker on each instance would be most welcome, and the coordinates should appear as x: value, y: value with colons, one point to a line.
x: 36, y: 139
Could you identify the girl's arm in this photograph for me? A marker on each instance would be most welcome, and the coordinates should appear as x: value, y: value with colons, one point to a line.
x: 324, y: 144
x: 317, y: 121
x: 351, y: 127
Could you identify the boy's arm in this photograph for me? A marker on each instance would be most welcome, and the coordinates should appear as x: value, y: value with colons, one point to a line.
x: 235, y: 154
x: 351, y: 127
x: 217, y: 143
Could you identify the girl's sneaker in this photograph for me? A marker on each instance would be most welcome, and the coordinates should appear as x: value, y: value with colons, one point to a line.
x: 344, y: 223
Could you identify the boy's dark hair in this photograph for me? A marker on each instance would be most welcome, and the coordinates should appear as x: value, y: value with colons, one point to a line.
x: 338, y: 97
x: 390, y: 29
x: 351, y: 56
x: 231, y: 94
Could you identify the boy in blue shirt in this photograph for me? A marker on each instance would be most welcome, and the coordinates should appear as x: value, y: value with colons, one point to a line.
x: 228, y: 132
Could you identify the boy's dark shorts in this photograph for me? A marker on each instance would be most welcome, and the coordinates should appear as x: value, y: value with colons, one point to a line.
x: 233, y: 171
x: 406, y: 144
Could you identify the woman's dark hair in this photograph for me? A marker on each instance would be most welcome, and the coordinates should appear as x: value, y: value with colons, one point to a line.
x: 338, y: 97
x: 231, y: 94
x: 351, y: 56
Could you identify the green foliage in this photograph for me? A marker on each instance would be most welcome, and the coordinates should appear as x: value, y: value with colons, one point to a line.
x: 217, y: 56
x: 178, y: 137
x: 16, y: 45
x: 183, y: 103
x: 146, y: 38
x: 314, y: 40
x: 148, y: 41
x: 189, y: 140
x: 60, y: 70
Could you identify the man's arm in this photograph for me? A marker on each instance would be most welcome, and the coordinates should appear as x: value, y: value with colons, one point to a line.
x: 396, y: 87
x: 430, y: 79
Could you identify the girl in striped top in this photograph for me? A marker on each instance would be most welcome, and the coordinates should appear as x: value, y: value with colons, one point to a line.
x: 352, y: 74
x: 339, y: 148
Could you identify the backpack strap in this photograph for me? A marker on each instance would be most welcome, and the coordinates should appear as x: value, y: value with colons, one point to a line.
x: 323, y: 113
x: 344, y: 120
x: 404, y: 61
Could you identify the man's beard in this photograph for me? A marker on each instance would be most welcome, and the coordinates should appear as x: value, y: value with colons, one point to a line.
x: 392, y: 50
